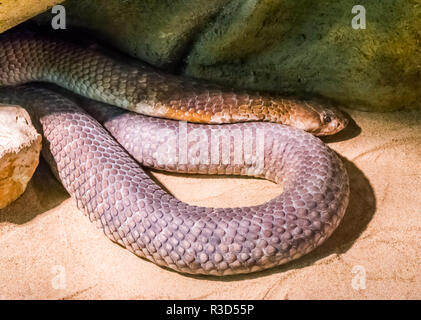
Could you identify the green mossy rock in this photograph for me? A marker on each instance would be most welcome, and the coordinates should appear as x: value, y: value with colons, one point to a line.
x: 159, y: 32
x: 289, y: 46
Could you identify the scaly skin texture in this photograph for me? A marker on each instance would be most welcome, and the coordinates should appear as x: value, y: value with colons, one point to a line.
x: 114, y: 191
x: 105, y: 76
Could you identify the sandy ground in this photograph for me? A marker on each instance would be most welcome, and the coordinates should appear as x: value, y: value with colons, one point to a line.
x: 50, y: 250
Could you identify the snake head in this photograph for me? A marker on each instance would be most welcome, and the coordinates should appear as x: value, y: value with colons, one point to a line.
x: 332, y: 121
x: 318, y: 119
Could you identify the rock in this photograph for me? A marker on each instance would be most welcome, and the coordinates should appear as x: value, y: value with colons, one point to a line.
x: 20, y: 146
x: 158, y: 32
x: 297, y: 47
x: 13, y: 12
x: 310, y: 48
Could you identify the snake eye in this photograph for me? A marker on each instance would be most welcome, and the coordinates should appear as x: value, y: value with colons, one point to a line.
x: 326, y: 118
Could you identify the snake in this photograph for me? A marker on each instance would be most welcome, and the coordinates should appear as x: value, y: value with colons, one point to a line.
x: 139, y: 116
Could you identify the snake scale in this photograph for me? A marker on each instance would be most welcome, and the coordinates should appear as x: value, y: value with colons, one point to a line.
x: 100, y: 167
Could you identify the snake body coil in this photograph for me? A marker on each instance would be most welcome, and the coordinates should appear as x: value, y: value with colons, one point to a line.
x: 114, y: 191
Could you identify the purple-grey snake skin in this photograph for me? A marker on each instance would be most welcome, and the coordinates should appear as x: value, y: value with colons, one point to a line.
x: 115, y: 192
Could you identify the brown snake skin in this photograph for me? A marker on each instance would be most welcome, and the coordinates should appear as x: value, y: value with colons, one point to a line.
x: 105, y: 76
x: 115, y: 192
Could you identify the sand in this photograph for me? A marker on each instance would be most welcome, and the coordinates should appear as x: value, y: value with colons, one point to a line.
x: 50, y: 250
